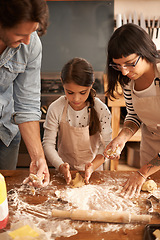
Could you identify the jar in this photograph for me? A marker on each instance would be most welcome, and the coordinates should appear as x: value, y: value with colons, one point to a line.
x: 4, y: 213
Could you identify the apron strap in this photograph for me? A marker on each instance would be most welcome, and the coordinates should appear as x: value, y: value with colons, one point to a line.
x: 64, y: 111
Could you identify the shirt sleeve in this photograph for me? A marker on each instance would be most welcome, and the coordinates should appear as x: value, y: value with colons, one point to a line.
x: 27, y: 85
x: 131, y: 114
x: 105, y: 122
x: 50, y: 133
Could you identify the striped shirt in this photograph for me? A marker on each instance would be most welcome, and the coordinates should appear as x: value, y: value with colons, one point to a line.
x: 131, y: 114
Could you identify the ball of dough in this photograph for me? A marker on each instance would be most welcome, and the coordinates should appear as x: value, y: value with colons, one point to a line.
x: 149, y: 186
x: 78, y: 181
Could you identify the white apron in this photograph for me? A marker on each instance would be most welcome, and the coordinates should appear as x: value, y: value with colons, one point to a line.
x: 75, y: 145
x: 148, y: 110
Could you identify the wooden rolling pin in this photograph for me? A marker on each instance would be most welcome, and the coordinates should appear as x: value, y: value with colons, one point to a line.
x: 101, y: 216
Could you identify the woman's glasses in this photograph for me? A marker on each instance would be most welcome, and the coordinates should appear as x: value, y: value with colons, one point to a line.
x: 126, y: 66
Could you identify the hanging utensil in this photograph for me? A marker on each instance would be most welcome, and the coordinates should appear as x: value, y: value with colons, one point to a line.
x: 124, y: 19
x: 149, y: 26
x: 158, y: 25
x: 142, y: 22
x: 118, y: 20
x: 152, y: 27
x: 135, y: 18
x: 130, y: 18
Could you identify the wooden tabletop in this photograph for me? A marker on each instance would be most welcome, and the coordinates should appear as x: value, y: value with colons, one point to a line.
x: 87, y: 230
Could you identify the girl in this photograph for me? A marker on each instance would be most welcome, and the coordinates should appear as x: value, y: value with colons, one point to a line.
x: 133, y: 63
x: 81, y: 121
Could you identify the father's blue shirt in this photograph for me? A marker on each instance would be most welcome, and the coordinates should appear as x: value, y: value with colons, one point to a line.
x: 20, y: 85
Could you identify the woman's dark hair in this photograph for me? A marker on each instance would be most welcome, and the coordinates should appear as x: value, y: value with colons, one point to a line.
x: 127, y: 40
x: 13, y: 12
x: 79, y: 71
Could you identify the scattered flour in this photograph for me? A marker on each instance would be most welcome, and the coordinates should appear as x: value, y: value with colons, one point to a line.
x: 104, y: 197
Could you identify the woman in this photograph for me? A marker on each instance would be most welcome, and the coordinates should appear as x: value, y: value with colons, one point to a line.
x: 81, y: 121
x: 133, y: 63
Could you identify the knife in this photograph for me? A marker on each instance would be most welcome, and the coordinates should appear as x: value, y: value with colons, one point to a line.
x: 142, y: 22
x: 135, y: 18
x: 153, y: 24
x: 149, y: 26
x: 157, y: 27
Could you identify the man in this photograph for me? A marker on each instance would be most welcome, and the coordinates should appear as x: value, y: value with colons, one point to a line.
x: 20, y: 63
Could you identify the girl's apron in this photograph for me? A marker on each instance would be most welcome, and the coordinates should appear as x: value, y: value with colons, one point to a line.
x: 148, y: 110
x: 75, y: 145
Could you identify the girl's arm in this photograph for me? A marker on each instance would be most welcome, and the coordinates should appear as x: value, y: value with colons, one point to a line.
x: 50, y: 134
x: 91, y: 167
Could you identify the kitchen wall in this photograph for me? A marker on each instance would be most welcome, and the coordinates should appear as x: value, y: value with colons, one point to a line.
x: 149, y: 8
x: 79, y: 29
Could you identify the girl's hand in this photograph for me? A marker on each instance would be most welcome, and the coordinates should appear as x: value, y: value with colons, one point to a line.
x: 133, y: 185
x: 89, y: 169
x: 64, y: 169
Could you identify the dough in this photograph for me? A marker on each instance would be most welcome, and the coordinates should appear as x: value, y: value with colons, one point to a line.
x: 35, y: 179
x: 78, y: 181
x: 149, y: 186
x: 112, y: 153
x: 156, y: 233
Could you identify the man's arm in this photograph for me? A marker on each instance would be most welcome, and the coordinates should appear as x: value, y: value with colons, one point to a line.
x: 30, y: 132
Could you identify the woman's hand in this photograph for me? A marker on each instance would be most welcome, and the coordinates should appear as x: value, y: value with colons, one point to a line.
x: 133, y: 185
x: 64, y: 169
x: 114, y: 148
x: 89, y: 169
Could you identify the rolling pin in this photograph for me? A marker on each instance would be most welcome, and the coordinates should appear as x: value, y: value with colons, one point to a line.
x: 101, y: 216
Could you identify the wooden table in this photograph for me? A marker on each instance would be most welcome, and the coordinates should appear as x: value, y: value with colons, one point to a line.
x: 15, y: 178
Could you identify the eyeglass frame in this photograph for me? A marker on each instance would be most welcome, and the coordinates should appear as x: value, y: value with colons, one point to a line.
x: 119, y: 67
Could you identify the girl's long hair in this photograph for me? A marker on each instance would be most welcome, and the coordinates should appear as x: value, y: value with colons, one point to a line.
x: 79, y: 71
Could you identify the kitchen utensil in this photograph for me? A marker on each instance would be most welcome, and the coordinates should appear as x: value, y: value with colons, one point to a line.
x: 135, y: 18
x: 150, y: 201
x: 130, y: 18
x: 149, y: 25
x: 142, y: 22
x: 157, y: 27
x: 148, y: 231
x: 118, y: 20
x: 124, y: 19
x: 101, y: 216
x: 152, y: 27
x: 156, y: 35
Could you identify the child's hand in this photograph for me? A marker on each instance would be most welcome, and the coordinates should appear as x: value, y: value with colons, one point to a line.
x: 64, y: 169
x: 89, y: 169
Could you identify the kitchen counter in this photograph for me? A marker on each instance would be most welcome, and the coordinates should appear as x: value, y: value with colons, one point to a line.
x: 85, y: 230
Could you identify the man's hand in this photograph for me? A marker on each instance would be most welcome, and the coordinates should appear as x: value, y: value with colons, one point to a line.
x: 40, y: 171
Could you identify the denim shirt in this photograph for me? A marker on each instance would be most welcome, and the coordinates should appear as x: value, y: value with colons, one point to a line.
x: 19, y: 87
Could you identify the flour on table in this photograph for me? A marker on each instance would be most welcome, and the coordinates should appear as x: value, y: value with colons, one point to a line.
x: 104, y: 196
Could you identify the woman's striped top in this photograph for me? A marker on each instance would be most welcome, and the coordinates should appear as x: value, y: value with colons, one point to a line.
x: 131, y: 114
